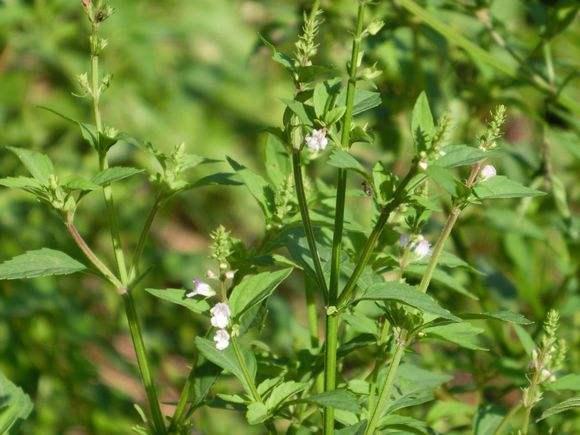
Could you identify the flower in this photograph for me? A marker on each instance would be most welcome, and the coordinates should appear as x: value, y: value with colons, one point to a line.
x: 404, y: 240
x: 222, y: 339
x: 487, y: 172
x: 423, y: 164
x: 422, y: 248
x: 210, y: 274
x: 230, y: 274
x: 201, y: 288
x: 220, y: 315
x: 317, y: 140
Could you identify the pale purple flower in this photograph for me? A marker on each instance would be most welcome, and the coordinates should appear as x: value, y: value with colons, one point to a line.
x: 404, y: 240
x: 487, y: 172
x: 317, y: 140
x: 220, y: 315
x: 201, y: 288
x: 422, y: 249
x: 221, y: 339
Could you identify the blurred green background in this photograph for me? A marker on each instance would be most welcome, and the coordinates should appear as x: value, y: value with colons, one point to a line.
x: 197, y: 72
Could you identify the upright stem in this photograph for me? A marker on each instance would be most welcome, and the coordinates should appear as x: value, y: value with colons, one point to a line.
x: 385, y: 392
x: 507, y: 418
x: 184, y: 399
x: 398, y: 198
x: 143, y: 236
x: 305, y: 215
x: 249, y: 380
x: 312, y: 314
x: 332, y: 319
x: 143, y: 363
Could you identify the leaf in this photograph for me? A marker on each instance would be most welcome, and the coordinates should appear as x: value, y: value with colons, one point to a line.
x: 25, y: 183
x: 525, y: 338
x: 257, y: 186
x: 282, y: 393
x: 88, y: 131
x: 407, y: 295
x: 570, y: 382
x: 342, y: 159
x: 487, y: 420
x: 355, y: 429
x: 278, y: 56
x: 338, y: 399
x: 566, y: 405
x: 460, y: 155
x: 257, y: 413
x: 74, y: 182
x: 363, y: 100
x: 422, y: 125
x: 177, y: 296
x: 444, y: 178
x: 504, y: 316
x: 42, y: 262
x: 441, y: 277
x: 277, y: 161
x: 15, y: 404
x: 113, y: 174
x: 39, y: 165
x: 299, y: 110
x: 502, y: 187
x: 312, y: 73
x: 334, y: 115
x: 253, y: 289
x: 217, y: 179
x: 408, y: 425
x: 319, y: 99
x: 226, y: 359
x: 463, y: 334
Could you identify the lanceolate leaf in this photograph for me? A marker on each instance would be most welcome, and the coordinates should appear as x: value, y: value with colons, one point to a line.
x: 177, y: 296
x: 258, y: 187
x: 38, y: 164
x: 342, y: 159
x: 15, y: 404
x: 566, y: 405
x: 569, y: 382
x: 463, y: 334
x: 422, y: 124
x: 43, y: 262
x: 338, y: 399
x: 226, y: 359
x: 25, y: 183
x: 407, y: 295
x: 502, y: 187
x: 460, y: 155
x: 254, y: 289
x: 283, y: 392
x: 505, y: 316
x: 115, y: 173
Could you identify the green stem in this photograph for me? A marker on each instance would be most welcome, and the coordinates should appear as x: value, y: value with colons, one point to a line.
x: 304, y: 213
x: 506, y: 419
x: 385, y: 393
x: 143, y: 363
x: 144, y: 234
x: 332, y: 319
x: 438, y: 248
x: 312, y: 314
x: 242, y: 362
x: 186, y: 396
x: 89, y: 253
x: 398, y: 197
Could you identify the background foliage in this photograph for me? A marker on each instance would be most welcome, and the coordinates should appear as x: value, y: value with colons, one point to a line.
x: 197, y: 72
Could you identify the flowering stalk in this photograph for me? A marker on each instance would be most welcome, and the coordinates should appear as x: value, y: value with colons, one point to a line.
x: 332, y: 318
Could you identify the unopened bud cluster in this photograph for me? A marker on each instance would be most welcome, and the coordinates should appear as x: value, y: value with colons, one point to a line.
x: 435, y: 143
x: 221, y: 247
x: 488, y: 139
x: 306, y: 46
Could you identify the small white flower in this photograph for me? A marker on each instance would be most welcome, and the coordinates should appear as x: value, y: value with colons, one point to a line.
x: 422, y: 249
x: 317, y: 140
x: 220, y: 315
x: 547, y: 376
x: 230, y: 274
x: 487, y: 172
x: 423, y: 165
x: 404, y: 240
x: 221, y: 339
x: 201, y: 288
x: 210, y: 274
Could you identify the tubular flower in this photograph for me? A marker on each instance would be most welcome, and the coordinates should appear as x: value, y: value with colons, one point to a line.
x: 201, y: 288
x: 317, y: 140
x: 221, y: 339
x: 220, y: 315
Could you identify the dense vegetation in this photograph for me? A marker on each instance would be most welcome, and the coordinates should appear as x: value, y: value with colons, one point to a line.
x: 289, y: 217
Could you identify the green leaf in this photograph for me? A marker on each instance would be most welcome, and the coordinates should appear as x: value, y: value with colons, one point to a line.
x: 407, y: 425
x: 257, y: 413
x: 277, y: 161
x: 487, y: 420
x: 282, y: 393
x: 312, y: 73
x: 338, y: 399
x: 253, y: 289
x: 39, y: 165
x: 319, y: 99
x: 299, y: 110
x: 460, y: 155
x: 24, y: 183
x: 42, y: 262
x: 570, y: 382
x: 74, y: 182
x: 566, y: 405
x: 504, y: 316
x: 88, y: 131
x: 407, y: 295
x: 464, y: 334
x: 258, y: 187
x: 440, y: 277
x: 363, y: 100
x: 444, y: 178
x: 177, y: 296
x: 343, y: 159
x: 525, y: 338
x: 15, y: 404
x: 278, y: 56
x: 502, y: 187
x: 114, y: 173
x: 226, y: 359
x: 422, y: 124
x: 334, y: 115
x: 217, y: 179
x: 355, y: 429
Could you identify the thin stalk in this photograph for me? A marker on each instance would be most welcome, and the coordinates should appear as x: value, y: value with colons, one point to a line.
x: 143, y: 363
x: 385, y: 392
x: 312, y: 315
x: 144, y: 235
x: 103, y: 164
x: 249, y: 380
x: 398, y: 198
x: 89, y: 253
x: 332, y: 319
x: 304, y: 213
x: 506, y: 419
x: 186, y: 396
